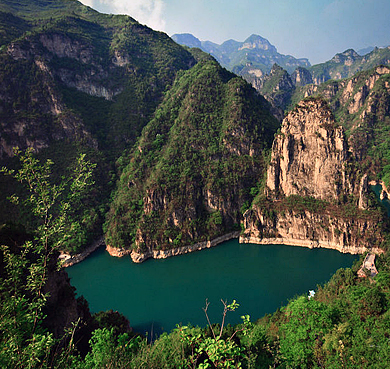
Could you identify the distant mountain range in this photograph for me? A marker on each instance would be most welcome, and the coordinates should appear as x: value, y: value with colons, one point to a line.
x: 278, y: 76
x: 347, y: 63
x: 279, y: 87
x: 253, y: 57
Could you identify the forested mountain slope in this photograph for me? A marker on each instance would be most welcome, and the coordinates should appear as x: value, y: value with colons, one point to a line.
x: 87, y: 76
x: 279, y: 85
x: 73, y: 80
x: 197, y: 163
x: 348, y: 63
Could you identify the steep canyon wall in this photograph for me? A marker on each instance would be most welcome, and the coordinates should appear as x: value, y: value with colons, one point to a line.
x: 315, y: 194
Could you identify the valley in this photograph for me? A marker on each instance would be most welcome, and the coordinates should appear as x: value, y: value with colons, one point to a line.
x: 114, y: 134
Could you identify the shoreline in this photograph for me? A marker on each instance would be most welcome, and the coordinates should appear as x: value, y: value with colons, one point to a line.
x: 163, y: 254
x: 309, y: 244
x: 68, y: 260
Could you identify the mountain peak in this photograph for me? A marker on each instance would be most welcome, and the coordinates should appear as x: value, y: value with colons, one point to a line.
x: 349, y: 54
x: 258, y: 42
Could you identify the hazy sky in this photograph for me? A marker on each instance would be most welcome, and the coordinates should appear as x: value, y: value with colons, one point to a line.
x: 315, y: 29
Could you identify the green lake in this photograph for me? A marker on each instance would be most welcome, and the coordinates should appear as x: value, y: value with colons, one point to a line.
x: 158, y: 294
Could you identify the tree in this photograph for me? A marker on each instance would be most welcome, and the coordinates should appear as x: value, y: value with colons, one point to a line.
x: 23, y: 341
x: 307, y: 323
x: 214, y: 351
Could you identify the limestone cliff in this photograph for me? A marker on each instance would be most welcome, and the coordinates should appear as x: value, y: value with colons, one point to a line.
x: 361, y: 104
x: 83, y: 77
x: 349, y: 231
x: 309, y: 155
x: 315, y: 195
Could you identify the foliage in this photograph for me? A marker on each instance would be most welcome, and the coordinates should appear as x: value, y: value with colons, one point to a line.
x: 214, y: 351
x: 42, y: 93
x: 107, y: 351
x: 47, y: 199
x: 346, y: 323
x: 204, y: 131
x: 24, y: 342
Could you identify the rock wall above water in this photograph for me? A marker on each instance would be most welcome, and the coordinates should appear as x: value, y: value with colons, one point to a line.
x: 355, y: 233
x: 316, y: 195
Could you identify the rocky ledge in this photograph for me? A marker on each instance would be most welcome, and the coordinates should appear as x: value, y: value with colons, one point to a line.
x: 354, y: 234
x: 163, y: 254
x: 311, y: 244
x: 68, y: 260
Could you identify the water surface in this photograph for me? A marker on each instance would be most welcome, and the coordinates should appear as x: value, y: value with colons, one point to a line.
x: 158, y: 294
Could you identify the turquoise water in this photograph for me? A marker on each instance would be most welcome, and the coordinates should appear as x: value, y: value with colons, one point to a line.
x: 158, y: 294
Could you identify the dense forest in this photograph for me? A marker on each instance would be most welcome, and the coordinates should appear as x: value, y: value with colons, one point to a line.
x: 110, y: 128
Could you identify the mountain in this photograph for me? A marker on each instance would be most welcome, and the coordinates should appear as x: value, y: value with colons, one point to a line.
x: 73, y: 80
x: 277, y: 87
x: 365, y: 50
x: 187, y: 154
x: 253, y: 57
x: 81, y: 70
x: 332, y: 143
x: 196, y: 165
x: 347, y: 63
x: 187, y: 39
x: 282, y: 89
x: 360, y: 105
x: 317, y: 191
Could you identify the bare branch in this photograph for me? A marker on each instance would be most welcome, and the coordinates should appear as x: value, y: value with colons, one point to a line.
x: 207, y: 317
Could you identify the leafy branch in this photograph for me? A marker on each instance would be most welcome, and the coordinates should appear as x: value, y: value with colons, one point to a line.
x: 23, y: 342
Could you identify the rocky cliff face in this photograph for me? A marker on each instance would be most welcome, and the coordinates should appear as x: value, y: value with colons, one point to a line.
x: 315, y: 195
x: 32, y: 111
x: 301, y: 77
x: 361, y: 104
x: 309, y: 155
x: 61, y: 308
x: 66, y: 80
x: 354, y: 234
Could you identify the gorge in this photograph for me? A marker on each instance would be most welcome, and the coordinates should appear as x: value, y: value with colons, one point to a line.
x: 112, y: 132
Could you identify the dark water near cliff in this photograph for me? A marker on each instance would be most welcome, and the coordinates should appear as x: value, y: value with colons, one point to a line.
x: 385, y: 202
x: 158, y: 294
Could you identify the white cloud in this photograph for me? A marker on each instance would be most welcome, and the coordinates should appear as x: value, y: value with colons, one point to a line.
x: 149, y: 12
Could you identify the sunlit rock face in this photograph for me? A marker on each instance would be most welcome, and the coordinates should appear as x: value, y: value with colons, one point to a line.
x: 309, y: 155
x: 315, y: 195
